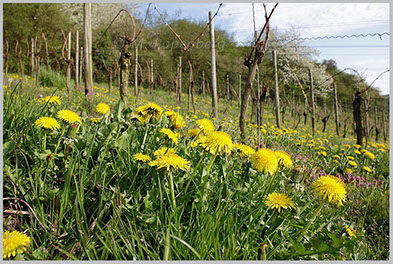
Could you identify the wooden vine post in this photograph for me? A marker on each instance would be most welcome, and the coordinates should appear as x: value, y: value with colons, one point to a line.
x: 88, y: 50
x: 77, y: 60
x: 376, y: 124
x: 136, y: 74
x: 6, y: 57
x: 32, y: 58
x: 152, y: 79
x: 276, y: 89
x: 312, y: 102
x: 240, y: 91
x: 213, y: 68
x: 336, y: 108
x: 383, y: 125
x: 180, y: 72
x: 203, y: 83
x: 69, y: 63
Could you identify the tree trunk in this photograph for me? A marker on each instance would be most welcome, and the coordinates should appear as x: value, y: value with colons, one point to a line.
x: 357, y: 116
x: 246, y: 95
x: 125, y: 67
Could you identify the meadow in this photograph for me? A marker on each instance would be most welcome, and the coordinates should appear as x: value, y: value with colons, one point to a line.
x: 94, y: 180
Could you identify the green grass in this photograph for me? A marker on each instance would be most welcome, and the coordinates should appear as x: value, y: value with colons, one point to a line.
x: 93, y: 201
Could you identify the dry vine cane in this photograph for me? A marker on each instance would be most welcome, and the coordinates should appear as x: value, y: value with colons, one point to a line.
x: 260, y: 48
x: 187, y: 48
x: 125, y: 57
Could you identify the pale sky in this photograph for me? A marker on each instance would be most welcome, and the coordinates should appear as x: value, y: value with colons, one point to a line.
x: 368, y: 55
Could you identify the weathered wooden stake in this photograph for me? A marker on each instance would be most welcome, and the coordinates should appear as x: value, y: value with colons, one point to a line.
x: 32, y: 57
x: 88, y: 49
x: 376, y: 124
x: 81, y: 65
x: 258, y: 108
x: 203, y: 83
x: 77, y: 60
x: 227, y: 87
x: 240, y: 90
x: 277, y: 93
x: 189, y: 87
x: 136, y: 74
x: 336, y: 108
x: 152, y: 79
x: 69, y: 63
x: 213, y: 67
x: 383, y: 125
x: 180, y: 71
x: 312, y: 102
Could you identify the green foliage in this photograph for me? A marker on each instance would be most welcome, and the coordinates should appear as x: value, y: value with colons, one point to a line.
x: 52, y: 78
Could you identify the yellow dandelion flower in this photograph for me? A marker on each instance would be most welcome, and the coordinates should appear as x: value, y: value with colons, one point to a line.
x: 205, y: 125
x: 336, y: 156
x: 95, y: 119
x: 347, y: 146
x: 352, y: 163
x: 381, y: 150
x: 141, y: 157
x: 349, y: 170
x: 143, y: 119
x: 351, y: 232
x: 330, y: 188
x: 47, y: 123
x: 69, y: 116
x: 150, y: 109
x: 367, y: 169
x: 284, y: 158
x: 265, y: 160
x: 103, y: 109
x: 245, y: 151
x: 279, y: 200
x: 363, y: 151
x: 193, y: 132
x: 13, y: 242
x: 356, y: 146
x: 164, y: 151
x: 170, y: 162
x: 351, y: 158
x: 369, y: 155
x: 170, y: 113
x: 357, y: 152
x: 174, y: 137
x: 323, y: 153
x: 52, y: 99
x: 218, y: 141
